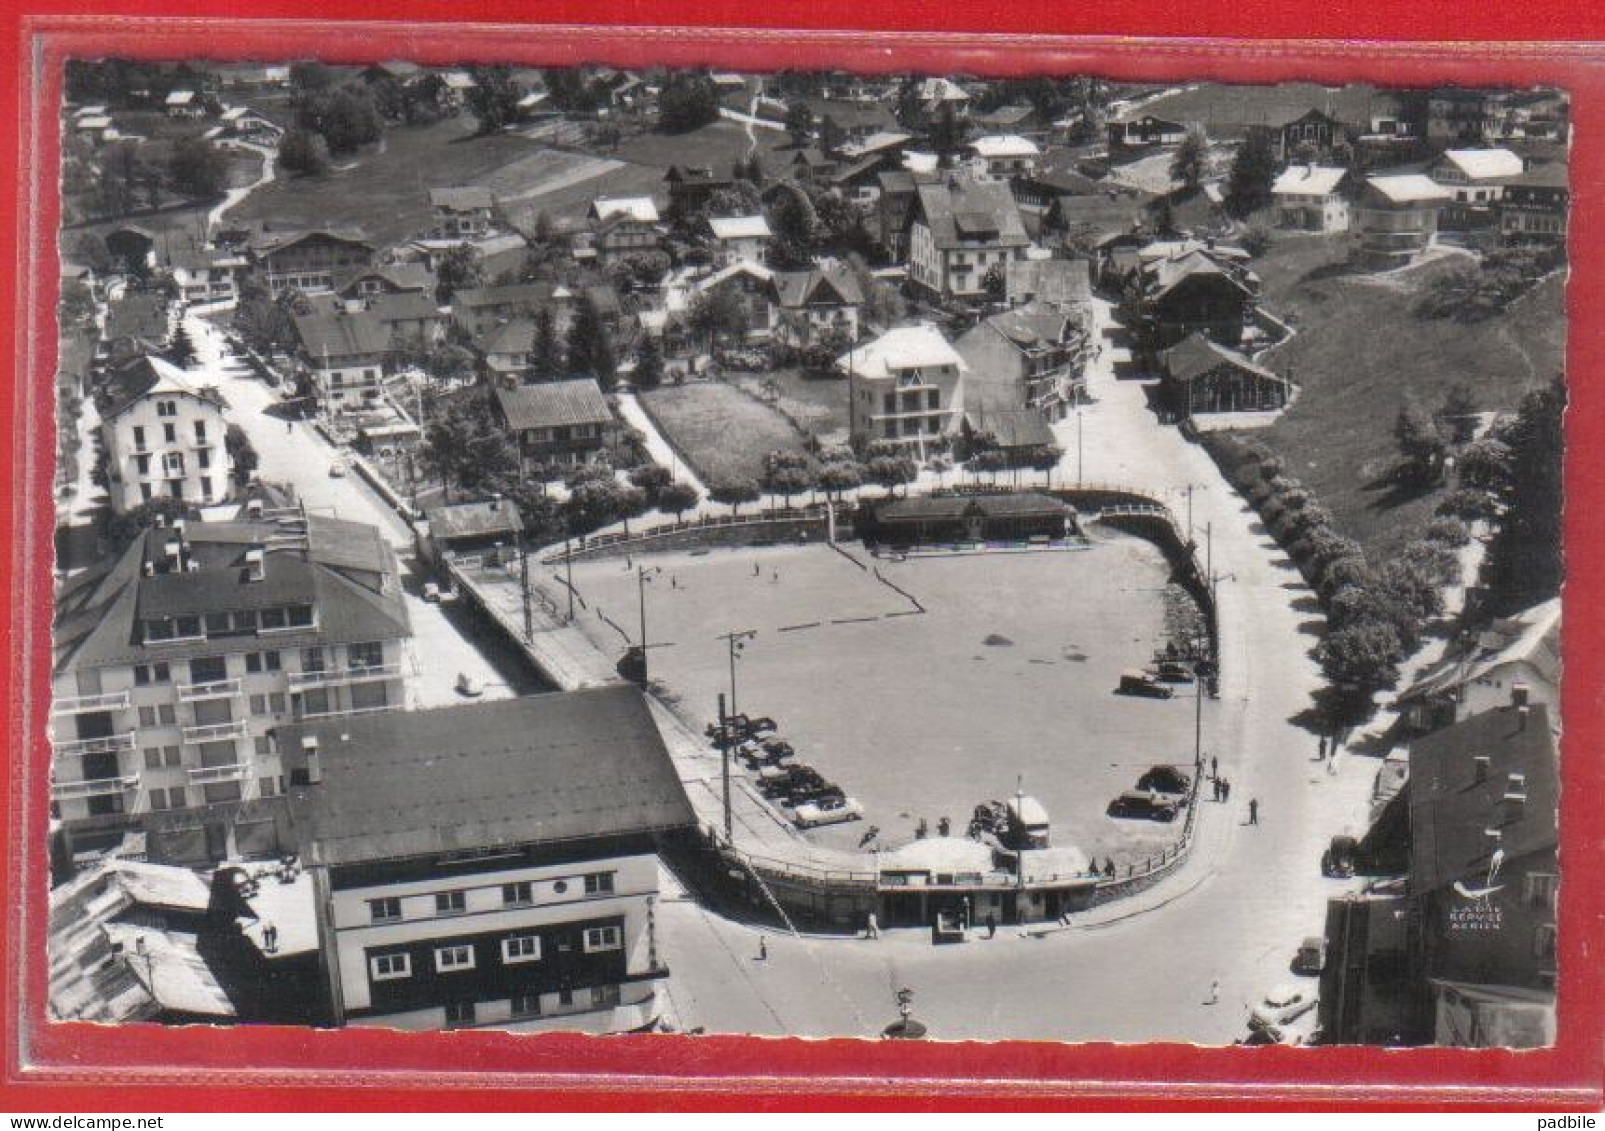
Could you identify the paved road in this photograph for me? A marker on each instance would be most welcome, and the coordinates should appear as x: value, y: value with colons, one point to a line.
x: 1234, y: 914
x: 296, y: 454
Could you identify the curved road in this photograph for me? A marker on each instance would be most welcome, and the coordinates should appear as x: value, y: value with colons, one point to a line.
x: 1235, y: 913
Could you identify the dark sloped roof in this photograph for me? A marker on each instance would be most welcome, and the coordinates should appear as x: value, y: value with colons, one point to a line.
x: 516, y: 336
x: 341, y: 334
x: 1012, y: 427
x: 141, y: 316
x: 404, y: 307
x: 937, y: 507
x: 466, y: 198
x: 402, y: 276
x: 1197, y: 355
x: 473, y: 520
x: 833, y: 284
x: 958, y: 210
x: 474, y: 297
x: 539, y: 770
x: 554, y: 404
x: 1450, y: 809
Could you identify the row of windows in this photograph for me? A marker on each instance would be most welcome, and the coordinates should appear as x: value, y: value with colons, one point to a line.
x: 190, y: 627
x: 529, y: 1005
x: 173, y: 463
x: 169, y: 431
x: 177, y: 797
x: 515, y: 950
x: 519, y: 894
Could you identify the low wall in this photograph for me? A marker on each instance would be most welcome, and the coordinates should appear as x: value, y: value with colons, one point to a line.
x: 800, y: 526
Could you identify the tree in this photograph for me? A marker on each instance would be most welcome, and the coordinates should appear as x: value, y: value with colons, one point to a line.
x: 118, y: 529
x: 734, y: 492
x: 1361, y: 658
x: 676, y: 498
x: 993, y: 284
x: 947, y: 135
x: 460, y: 269
x: 1420, y: 444
x: 648, y: 364
x: 310, y: 75
x: 595, y: 503
x: 891, y: 471
x: 1459, y: 413
x: 196, y: 169
x: 1448, y: 531
x: 838, y: 476
x: 241, y: 452
x: 651, y: 479
x: 90, y: 250
x: 1524, y: 563
x: 493, y: 99
x: 909, y: 107
x: 1254, y: 169
x: 1164, y: 214
x: 1468, y: 505
x: 77, y: 304
x: 347, y: 118
x: 799, y: 123
x: 589, y: 350
x: 795, y: 227
x: 1187, y: 163
x: 1486, y: 464
x: 181, y: 350
x: 717, y: 314
x: 303, y: 152
x: 786, y: 474
x: 688, y: 101
x: 1255, y: 239
x: 545, y: 356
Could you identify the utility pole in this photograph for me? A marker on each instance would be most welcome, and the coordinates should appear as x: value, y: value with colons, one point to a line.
x: 1189, y: 512
x: 523, y: 588
x: 724, y: 758
x: 737, y: 643
x: 640, y: 584
x: 568, y: 566
x: 1079, y: 445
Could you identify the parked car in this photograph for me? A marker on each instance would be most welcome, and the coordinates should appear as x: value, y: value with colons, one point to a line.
x: 432, y: 592
x: 1282, y: 1006
x: 1311, y: 956
x: 1152, y: 806
x: 1165, y: 779
x: 1143, y: 685
x: 1174, y: 671
x: 815, y: 813
x: 1338, y: 859
x: 337, y: 469
x: 469, y: 685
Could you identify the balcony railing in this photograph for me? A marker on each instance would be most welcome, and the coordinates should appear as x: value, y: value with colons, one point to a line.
x: 216, y: 732
x: 108, y: 744
x: 217, y: 689
x: 80, y: 704
x: 94, y: 787
x: 342, y: 712
x: 234, y: 771
x: 300, y: 681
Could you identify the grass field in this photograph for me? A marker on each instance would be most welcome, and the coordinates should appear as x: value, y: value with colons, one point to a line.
x: 1009, y: 673
x: 816, y: 401
x: 1360, y: 352
x: 385, y: 189
x: 720, y: 431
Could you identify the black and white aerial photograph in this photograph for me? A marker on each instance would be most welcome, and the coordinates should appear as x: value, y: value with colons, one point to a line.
x: 807, y: 554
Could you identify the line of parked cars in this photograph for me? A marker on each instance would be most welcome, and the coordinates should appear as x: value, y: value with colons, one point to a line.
x: 798, y: 790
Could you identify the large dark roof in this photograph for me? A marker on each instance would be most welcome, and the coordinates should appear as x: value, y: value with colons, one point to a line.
x: 554, y: 404
x: 401, y: 276
x: 342, y: 568
x: 142, y: 316
x: 957, y: 210
x: 341, y: 334
x: 539, y: 770
x: 938, y: 507
x: 833, y: 283
x: 1197, y: 355
x: 1450, y: 810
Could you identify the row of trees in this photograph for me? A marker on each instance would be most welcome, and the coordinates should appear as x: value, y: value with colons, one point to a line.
x: 123, y: 178
x: 1376, y: 613
x: 330, y: 121
x: 1475, y: 293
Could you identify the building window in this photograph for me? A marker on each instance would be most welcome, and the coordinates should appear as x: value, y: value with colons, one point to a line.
x: 158, y: 799
x: 604, y: 996
x: 517, y: 895
x: 166, y: 408
x: 371, y: 655
x: 450, y: 902
x: 459, y: 1013
x: 266, y: 787
x: 259, y: 705
x: 312, y: 660
x: 172, y: 756
x: 170, y: 436
x: 153, y: 757
x: 276, y: 702
x: 1538, y: 890
x: 264, y: 746
x: 200, y: 431
x: 526, y: 1005
x: 602, y: 938
x: 560, y: 886
x: 599, y: 883
x: 521, y: 948
x: 384, y: 910
x: 139, y: 436
x: 386, y: 967
x: 452, y: 958
x: 1544, y: 941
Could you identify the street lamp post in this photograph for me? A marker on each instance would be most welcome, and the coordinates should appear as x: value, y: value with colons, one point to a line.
x: 641, y: 579
x: 568, y: 568
x: 737, y: 643
x: 1080, y: 448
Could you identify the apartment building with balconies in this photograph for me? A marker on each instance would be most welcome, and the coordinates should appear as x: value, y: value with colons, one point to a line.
x: 905, y: 387
x: 164, y: 437
x: 492, y: 865
x: 175, y: 662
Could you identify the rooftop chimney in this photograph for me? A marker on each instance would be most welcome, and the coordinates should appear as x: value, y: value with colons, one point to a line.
x: 255, y: 564
x: 1480, y: 765
x: 253, y: 508
x: 1520, y: 694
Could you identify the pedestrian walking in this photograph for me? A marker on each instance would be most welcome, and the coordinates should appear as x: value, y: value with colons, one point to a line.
x: 1214, y: 993
x: 1253, y: 811
x: 1321, y: 754
x: 763, y: 949
x: 1332, y: 762
x: 776, y: 578
x: 756, y: 571
x: 1226, y: 789
x: 289, y: 426
x: 872, y: 929
x: 1214, y: 768
x: 991, y: 925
